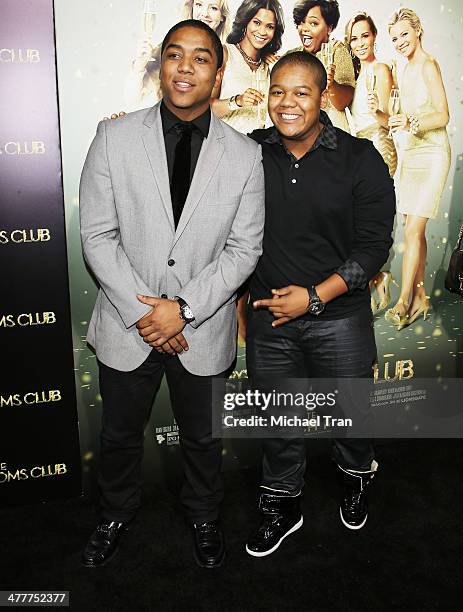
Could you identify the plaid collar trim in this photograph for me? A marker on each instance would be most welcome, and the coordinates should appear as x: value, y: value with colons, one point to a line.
x: 327, y: 137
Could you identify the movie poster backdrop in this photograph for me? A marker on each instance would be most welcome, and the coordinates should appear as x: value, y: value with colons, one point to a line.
x: 98, y: 45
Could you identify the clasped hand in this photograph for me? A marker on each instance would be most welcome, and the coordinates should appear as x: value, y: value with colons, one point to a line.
x: 398, y: 122
x: 162, y: 327
x: 286, y: 304
x: 251, y: 97
x: 373, y: 103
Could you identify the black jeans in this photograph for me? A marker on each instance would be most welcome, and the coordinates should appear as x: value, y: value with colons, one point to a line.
x: 127, y: 400
x: 342, y: 348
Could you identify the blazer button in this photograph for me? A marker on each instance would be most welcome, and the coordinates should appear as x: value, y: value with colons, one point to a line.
x: 164, y: 296
x: 171, y: 262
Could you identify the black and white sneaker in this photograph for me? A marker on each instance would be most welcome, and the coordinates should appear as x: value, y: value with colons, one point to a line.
x: 281, y: 517
x: 353, y: 509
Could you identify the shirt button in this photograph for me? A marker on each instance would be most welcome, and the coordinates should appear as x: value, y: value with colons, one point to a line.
x: 171, y: 262
x: 164, y: 296
x: 293, y: 181
x: 296, y: 165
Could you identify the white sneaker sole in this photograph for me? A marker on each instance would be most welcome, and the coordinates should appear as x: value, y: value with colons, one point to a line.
x: 297, y: 526
x: 352, y: 526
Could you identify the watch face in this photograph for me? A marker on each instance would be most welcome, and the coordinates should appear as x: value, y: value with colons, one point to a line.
x: 187, y: 313
x: 316, y: 308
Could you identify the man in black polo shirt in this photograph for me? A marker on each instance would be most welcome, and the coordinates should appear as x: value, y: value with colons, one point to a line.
x: 330, y: 208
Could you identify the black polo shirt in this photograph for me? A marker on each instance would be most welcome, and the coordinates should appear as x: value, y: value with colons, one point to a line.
x: 330, y: 211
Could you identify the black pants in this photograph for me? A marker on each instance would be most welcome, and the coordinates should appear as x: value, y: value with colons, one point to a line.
x: 127, y: 400
x: 342, y: 348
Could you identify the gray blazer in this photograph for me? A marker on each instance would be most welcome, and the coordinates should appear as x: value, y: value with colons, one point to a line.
x: 128, y: 237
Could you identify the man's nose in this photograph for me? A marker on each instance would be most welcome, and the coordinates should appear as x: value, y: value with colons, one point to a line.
x: 186, y: 65
x: 287, y: 100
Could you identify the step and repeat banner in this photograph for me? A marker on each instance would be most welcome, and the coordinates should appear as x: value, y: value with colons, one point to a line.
x: 39, y: 442
x: 107, y: 61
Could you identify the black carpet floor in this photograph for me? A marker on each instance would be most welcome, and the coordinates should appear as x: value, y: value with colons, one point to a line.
x: 407, y: 557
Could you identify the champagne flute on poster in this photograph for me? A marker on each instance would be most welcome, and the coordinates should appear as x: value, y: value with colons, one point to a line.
x: 330, y: 52
x: 370, y: 80
x: 327, y: 59
x: 149, y: 17
x: 261, y: 85
x: 393, y: 106
x: 324, y: 54
x: 149, y: 21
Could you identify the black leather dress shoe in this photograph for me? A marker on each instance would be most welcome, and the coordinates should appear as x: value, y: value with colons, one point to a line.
x: 209, y: 547
x: 103, y: 543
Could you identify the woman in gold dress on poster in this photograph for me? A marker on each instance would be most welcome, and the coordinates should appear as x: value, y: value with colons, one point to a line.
x: 240, y: 99
x: 255, y: 37
x: 370, y: 117
x: 142, y: 84
x: 315, y: 20
x: 426, y: 159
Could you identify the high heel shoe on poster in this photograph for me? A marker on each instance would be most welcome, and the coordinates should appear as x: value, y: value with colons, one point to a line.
x: 394, y: 316
x: 373, y: 304
x: 423, y: 309
x: 382, y: 283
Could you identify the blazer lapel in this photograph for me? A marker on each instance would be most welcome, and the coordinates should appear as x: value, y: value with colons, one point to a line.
x: 208, y: 161
x: 153, y: 141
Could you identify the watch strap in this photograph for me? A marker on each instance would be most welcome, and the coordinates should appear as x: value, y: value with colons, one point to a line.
x: 316, y: 305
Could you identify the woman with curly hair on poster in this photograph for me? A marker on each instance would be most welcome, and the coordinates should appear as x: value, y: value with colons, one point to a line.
x: 315, y: 21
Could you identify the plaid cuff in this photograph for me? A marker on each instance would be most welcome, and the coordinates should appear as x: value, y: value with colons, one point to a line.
x: 353, y: 274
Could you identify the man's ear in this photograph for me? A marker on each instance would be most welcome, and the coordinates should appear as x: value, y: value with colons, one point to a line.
x: 219, y: 76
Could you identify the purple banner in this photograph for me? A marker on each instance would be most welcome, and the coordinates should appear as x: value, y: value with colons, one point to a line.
x: 39, y: 442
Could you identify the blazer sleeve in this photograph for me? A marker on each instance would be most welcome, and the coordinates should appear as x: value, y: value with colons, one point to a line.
x: 217, y: 282
x: 100, y: 235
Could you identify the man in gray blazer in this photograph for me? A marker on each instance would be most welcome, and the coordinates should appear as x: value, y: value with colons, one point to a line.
x: 172, y: 213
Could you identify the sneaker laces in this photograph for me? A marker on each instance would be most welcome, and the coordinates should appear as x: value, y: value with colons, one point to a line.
x: 107, y: 527
x: 352, y: 498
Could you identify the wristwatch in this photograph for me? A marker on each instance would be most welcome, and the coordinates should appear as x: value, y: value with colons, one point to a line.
x: 186, y: 314
x: 316, y: 306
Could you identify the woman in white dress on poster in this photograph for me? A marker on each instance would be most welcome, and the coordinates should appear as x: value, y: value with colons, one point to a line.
x: 424, y: 114
x: 370, y: 117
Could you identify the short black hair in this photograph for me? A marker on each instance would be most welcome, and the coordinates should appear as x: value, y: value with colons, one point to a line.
x: 328, y: 8
x: 199, y: 25
x: 245, y: 13
x: 301, y: 58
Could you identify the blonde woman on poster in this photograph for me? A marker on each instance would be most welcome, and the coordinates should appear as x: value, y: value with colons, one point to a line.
x: 426, y: 160
x: 255, y: 37
x: 315, y: 21
x: 369, y: 115
x: 142, y: 85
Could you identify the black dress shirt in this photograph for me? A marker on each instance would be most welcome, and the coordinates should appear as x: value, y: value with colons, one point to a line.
x: 330, y: 211
x: 172, y: 135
